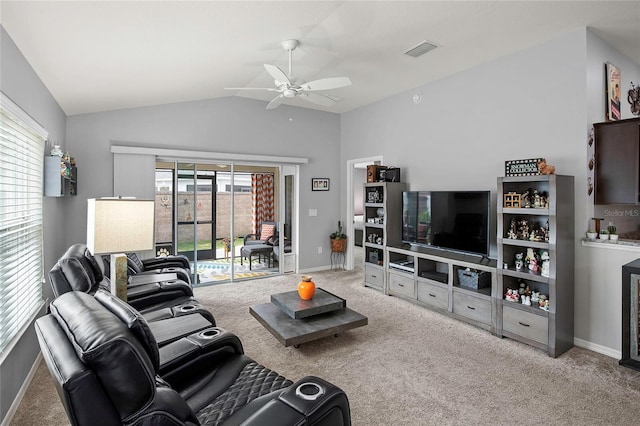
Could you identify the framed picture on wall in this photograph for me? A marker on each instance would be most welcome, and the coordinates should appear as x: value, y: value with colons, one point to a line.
x: 319, y: 184
x: 613, y: 92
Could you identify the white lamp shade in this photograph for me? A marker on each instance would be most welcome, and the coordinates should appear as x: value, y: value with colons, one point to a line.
x: 120, y: 225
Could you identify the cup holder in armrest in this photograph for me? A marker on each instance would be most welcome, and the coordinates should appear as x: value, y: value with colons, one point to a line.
x: 209, y: 333
x: 309, y: 391
x: 187, y: 308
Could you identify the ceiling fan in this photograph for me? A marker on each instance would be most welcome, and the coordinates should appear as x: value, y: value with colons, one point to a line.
x: 288, y: 86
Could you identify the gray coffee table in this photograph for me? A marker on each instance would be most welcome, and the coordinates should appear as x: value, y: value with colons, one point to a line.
x: 294, y: 321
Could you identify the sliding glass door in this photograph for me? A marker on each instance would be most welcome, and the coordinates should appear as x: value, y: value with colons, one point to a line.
x: 204, y: 211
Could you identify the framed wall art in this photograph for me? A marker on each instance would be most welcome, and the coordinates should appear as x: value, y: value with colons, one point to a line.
x: 613, y: 92
x: 319, y: 184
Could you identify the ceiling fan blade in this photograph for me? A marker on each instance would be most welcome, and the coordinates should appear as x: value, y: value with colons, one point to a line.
x: 326, y: 83
x: 271, y: 89
x: 275, y: 102
x: 317, y: 98
x: 277, y: 74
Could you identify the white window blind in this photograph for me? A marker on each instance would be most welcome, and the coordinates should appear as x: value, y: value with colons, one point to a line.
x: 21, y: 266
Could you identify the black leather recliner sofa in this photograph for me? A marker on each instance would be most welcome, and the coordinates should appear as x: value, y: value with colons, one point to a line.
x: 178, y: 265
x: 108, y: 370
x: 79, y: 270
x: 169, y: 307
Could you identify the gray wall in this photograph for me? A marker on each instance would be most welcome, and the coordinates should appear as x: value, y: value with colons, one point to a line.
x: 22, y: 85
x: 535, y: 103
x: 230, y: 125
x: 598, y: 270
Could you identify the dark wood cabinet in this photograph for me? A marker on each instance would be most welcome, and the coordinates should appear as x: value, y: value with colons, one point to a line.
x: 617, y: 162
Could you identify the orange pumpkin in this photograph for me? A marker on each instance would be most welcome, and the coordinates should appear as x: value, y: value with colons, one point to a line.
x: 306, y: 288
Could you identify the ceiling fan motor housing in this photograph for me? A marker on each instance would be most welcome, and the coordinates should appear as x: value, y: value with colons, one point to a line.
x: 289, y: 93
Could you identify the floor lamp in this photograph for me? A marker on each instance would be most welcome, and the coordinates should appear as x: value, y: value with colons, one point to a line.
x: 116, y: 226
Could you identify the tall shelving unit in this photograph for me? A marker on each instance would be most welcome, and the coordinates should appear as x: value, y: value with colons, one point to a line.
x: 552, y: 330
x: 382, y: 226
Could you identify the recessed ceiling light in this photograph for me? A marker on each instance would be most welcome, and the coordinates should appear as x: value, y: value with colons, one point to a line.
x: 421, y: 49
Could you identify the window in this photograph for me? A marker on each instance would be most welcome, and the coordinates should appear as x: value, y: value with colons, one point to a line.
x: 21, y: 265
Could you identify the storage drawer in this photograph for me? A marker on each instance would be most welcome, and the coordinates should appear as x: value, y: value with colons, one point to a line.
x: 374, y: 277
x: 525, y: 324
x: 402, y: 284
x: 433, y: 295
x: 472, y: 307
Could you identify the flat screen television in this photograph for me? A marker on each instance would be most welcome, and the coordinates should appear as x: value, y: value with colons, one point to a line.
x: 448, y: 220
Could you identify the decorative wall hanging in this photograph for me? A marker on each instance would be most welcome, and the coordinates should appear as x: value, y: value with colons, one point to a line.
x: 319, y: 184
x: 613, y: 92
x: 634, y: 99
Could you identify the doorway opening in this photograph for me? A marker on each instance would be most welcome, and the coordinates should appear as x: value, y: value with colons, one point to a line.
x: 356, y: 178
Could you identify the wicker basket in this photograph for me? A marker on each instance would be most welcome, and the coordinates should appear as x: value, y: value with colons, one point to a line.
x: 474, y: 279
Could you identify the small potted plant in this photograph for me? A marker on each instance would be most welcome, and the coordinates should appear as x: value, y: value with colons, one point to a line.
x: 613, y: 236
x: 338, y: 240
x: 604, y: 234
x: 592, y: 234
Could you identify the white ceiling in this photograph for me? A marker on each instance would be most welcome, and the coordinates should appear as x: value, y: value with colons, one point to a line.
x: 98, y: 56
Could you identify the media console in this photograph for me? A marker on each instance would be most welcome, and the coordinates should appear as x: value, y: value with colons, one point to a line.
x: 429, y: 277
x: 472, y: 287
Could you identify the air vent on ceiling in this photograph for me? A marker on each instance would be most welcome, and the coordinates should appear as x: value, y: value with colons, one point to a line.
x: 420, y: 49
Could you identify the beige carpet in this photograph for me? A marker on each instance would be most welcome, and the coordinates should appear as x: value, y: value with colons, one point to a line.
x: 412, y: 366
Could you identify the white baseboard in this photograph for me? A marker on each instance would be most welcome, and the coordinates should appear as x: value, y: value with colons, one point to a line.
x: 23, y: 389
x: 316, y: 269
x: 597, y: 348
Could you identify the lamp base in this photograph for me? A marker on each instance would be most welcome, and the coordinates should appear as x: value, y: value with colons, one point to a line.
x: 119, y: 276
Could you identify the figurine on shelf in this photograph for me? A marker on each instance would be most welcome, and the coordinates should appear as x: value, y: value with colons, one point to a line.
x: 535, y: 296
x: 544, y: 257
x: 521, y: 287
x: 532, y: 260
x: 544, y: 305
x: 545, y: 169
x: 519, y: 261
x: 512, y: 230
x: 536, y: 199
x: 546, y: 231
x: 56, y: 151
x: 511, y: 295
x: 544, y: 200
x: 523, y: 229
x: 543, y: 302
x: 526, y: 199
x: 526, y: 300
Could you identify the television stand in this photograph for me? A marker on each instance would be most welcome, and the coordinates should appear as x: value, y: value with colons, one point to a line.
x: 432, y: 281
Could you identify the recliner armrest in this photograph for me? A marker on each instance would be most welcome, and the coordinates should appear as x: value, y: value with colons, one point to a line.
x: 150, y: 278
x: 174, y: 261
x: 142, y: 296
x: 310, y: 401
x: 189, y: 349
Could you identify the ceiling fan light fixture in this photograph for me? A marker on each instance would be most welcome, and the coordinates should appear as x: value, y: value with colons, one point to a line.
x: 420, y: 49
x: 289, y: 93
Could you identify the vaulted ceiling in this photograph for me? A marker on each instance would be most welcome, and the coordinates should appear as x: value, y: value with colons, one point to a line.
x: 98, y: 55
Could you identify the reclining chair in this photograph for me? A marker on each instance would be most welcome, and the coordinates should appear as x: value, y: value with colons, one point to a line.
x: 78, y: 270
x: 108, y: 370
x: 178, y: 265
